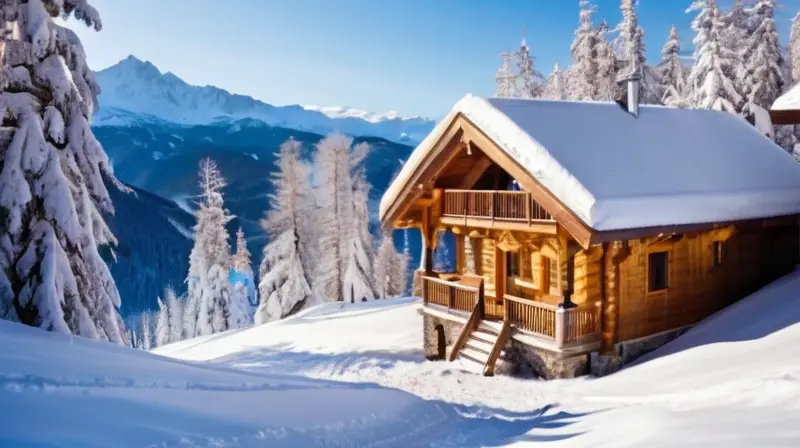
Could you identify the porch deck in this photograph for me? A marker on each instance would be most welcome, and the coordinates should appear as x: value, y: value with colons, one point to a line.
x: 551, y: 327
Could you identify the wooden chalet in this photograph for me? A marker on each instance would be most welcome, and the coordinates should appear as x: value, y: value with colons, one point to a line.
x: 629, y: 226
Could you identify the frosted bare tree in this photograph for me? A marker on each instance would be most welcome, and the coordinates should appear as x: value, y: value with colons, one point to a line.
x: 582, y: 74
x: 712, y: 77
x: 209, y: 289
x: 162, y: 324
x: 285, y: 275
x: 505, y: 78
x: 342, y: 202
x: 52, y: 170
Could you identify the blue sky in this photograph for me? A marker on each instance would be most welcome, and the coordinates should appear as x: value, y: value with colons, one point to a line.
x: 414, y: 56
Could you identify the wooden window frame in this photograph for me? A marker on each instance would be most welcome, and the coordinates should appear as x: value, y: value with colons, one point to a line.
x: 546, y: 265
x: 650, y: 253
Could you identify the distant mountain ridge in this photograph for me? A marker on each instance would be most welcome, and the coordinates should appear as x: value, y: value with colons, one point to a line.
x: 136, y: 91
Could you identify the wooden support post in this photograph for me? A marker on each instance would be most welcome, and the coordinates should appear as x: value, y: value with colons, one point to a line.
x: 461, y: 254
x: 499, y: 273
x: 561, y: 327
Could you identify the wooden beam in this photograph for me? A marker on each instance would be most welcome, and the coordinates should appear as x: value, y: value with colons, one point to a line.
x: 460, y: 253
x: 499, y: 273
x: 475, y: 173
x: 783, y: 117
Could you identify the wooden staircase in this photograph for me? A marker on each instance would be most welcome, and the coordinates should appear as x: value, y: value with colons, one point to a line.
x: 484, y: 346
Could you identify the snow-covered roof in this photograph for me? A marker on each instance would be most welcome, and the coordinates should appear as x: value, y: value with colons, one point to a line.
x: 789, y: 100
x: 614, y: 171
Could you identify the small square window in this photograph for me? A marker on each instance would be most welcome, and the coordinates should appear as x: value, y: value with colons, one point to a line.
x: 716, y: 254
x: 658, y: 271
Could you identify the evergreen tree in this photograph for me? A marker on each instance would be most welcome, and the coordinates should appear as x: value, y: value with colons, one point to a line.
x: 530, y: 79
x: 163, y: 335
x: 762, y: 72
x: 284, y: 272
x: 209, y: 289
x: 582, y: 74
x: 384, y: 259
x: 630, y: 40
x: 240, y: 312
x: 555, y: 88
x: 711, y: 79
x: 358, y: 275
x: 52, y: 169
x: 175, y: 308
x: 607, y: 89
x: 794, y: 48
x: 505, y: 79
x: 672, y: 73
x: 146, y: 338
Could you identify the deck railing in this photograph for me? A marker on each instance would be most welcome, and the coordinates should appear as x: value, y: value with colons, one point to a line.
x: 449, y: 294
x: 488, y: 204
x: 564, y: 327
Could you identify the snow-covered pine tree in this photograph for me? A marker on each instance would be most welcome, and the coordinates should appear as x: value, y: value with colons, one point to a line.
x: 794, y: 48
x: 162, y: 324
x: 384, y: 259
x: 607, y: 89
x: 175, y: 307
x: 358, y: 275
x: 398, y: 279
x: 530, y: 80
x: 672, y: 73
x: 630, y: 42
x: 711, y: 79
x: 505, y: 79
x: 208, y: 303
x: 52, y: 170
x: 581, y: 76
x: 146, y: 340
x: 285, y: 274
x: 240, y: 313
x: 762, y: 72
x: 555, y: 87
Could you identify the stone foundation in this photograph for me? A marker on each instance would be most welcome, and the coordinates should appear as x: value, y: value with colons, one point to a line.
x: 628, y: 351
x: 439, y: 335
x: 524, y: 360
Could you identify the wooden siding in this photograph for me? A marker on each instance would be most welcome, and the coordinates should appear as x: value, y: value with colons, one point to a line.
x: 588, y: 287
x: 696, y: 288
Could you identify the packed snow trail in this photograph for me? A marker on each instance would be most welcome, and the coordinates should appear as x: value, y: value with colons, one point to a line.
x: 734, y: 380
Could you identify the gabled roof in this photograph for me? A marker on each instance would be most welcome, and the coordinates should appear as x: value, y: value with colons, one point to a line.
x: 615, y: 171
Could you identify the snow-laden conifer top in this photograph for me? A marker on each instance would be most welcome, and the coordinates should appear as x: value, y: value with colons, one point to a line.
x: 667, y: 167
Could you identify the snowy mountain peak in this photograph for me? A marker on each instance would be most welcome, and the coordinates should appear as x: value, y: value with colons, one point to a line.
x: 136, y: 90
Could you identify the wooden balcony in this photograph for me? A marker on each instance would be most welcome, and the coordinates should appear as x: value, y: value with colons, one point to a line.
x: 551, y: 326
x: 489, y: 208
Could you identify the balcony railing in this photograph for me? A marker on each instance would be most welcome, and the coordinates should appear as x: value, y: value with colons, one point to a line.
x: 497, y: 205
x: 450, y: 294
x: 564, y: 327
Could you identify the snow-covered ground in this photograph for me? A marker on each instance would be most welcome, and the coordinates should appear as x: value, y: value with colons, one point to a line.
x: 353, y: 375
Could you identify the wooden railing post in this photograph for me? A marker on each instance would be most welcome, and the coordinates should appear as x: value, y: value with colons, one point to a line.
x: 528, y: 207
x: 491, y: 204
x: 596, y: 318
x: 451, y: 298
x: 481, y: 301
x: 561, y: 327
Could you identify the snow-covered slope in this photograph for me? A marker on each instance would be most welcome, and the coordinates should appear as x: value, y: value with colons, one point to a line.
x: 135, y: 90
x: 732, y: 381
x: 73, y: 392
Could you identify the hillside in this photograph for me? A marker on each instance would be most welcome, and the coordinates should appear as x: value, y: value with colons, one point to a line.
x: 135, y: 91
x: 732, y: 381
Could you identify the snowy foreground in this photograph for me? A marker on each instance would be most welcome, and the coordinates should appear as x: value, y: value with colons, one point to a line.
x: 733, y: 381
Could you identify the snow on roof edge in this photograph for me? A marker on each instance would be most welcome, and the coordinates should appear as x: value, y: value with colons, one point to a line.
x: 789, y: 100
x: 518, y: 144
